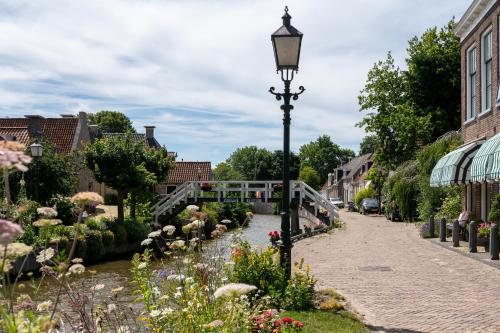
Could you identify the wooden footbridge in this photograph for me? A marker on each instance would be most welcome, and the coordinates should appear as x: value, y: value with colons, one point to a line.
x: 303, y: 198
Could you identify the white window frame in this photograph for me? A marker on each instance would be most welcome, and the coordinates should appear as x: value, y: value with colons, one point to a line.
x: 485, y: 109
x: 498, y: 62
x: 469, y: 84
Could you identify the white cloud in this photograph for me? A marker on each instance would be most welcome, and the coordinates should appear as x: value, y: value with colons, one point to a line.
x: 200, y: 70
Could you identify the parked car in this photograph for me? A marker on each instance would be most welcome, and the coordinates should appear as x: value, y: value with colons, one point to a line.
x: 369, y: 205
x: 337, y: 202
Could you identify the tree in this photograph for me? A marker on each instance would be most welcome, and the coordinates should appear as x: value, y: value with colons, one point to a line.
x: 49, y: 175
x: 323, y: 156
x: 433, y: 77
x: 408, y: 109
x: 398, y: 127
x: 224, y: 171
x: 368, y: 145
x: 276, y: 167
x: 309, y: 176
x: 251, y: 162
x: 112, y: 122
x: 125, y: 165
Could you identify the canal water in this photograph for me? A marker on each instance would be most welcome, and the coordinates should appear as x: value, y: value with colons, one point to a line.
x: 116, y: 273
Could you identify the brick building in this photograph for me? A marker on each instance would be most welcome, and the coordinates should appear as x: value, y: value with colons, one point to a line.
x: 476, y: 164
x: 68, y: 133
x: 349, y: 178
x: 183, y: 172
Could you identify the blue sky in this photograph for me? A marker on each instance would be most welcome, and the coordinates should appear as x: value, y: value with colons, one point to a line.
x: 199, y: 70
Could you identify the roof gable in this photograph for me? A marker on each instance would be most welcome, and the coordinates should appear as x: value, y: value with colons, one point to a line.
x: 189, y: 171
x: 60, y: 131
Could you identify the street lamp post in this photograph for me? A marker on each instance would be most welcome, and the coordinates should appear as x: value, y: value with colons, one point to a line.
x: 286, y: 44
x: 36, y: 152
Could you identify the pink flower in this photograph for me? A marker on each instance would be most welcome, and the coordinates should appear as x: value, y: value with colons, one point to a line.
x: 9, y: 230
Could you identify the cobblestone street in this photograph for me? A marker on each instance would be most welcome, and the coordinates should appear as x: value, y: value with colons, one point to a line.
x: 401, y: 283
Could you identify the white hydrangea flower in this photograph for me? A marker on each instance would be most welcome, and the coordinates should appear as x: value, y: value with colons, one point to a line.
x: 154, y: 234
x: 234, y: 290
x: 226, y: 221
x: 77, y: 269
x: 169, y: 229
x: 193, y: 208
x: 146, y: 242
x: 45, y: 255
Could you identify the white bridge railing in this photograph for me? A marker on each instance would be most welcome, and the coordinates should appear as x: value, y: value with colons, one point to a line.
x: 200, y: 191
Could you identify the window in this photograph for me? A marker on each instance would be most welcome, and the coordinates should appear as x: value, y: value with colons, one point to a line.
x: 471, y: 84
x: 486, y: 53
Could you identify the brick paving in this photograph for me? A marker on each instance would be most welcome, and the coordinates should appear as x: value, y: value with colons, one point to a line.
x: 399, y: 282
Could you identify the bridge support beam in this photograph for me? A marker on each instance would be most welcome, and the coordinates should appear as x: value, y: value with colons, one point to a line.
x: 294, y: 217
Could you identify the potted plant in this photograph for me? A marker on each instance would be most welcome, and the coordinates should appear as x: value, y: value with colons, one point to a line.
x: 483, y: 235
x: 274, y: 237
x: 307, y: 228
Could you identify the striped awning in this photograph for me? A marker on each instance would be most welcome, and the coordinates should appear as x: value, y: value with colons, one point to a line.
x: 483, y: 161
x: 453, y: 167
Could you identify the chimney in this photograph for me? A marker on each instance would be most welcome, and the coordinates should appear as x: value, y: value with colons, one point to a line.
x: 34, y: 125
x: 93, y: 130
x: 82, y: 115
x: 150, y: 132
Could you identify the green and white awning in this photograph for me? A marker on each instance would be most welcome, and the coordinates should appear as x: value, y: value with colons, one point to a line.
x: 482, y: 164
x: 453, y: 167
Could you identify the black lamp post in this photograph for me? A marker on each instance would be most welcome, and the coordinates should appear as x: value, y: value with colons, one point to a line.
x: 286, y: 44
x: 36, y: 152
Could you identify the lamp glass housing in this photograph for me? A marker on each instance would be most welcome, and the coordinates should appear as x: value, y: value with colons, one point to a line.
x: 36, y: 149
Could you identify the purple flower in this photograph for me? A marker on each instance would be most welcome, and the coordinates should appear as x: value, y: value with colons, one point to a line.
x: 9, y: 230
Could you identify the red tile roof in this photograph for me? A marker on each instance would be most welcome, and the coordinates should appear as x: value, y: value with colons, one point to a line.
x: 189, y: 171
x: 59, y: 131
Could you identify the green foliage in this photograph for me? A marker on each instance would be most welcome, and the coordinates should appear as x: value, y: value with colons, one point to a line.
x: 108, y: 238
x: 126, y: 165
x: 51, y: 175
x: 431, y: 198
x: 433, y: 77
x: 363, y: 194
x: 317, y: 321
x: 408, y: 109
x: 452, y: 204
x: 224, y: 171
x: 111, y: 122
x: 234, y: 211
x: 368, y: 144
x: 299, y: 292
x: 81, y: 246
x: 253, y: 163
x: 110, y: 199
x: 323, y: 155
x: 94, y: 224
x: 65, y: 209
x: 402, y: 188
x: 94, y: 244
x: 309, y: 176
x: 260, y: 269
x: 144, y: 200
x: 494, y: 215
x: 136, y: 230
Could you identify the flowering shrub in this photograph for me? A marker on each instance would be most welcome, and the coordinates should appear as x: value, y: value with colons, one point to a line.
x: 299, y: 292
x: 270, y: 322
x: 483, y: 231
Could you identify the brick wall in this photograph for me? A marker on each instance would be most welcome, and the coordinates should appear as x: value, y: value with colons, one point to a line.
x: 487, y: 125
